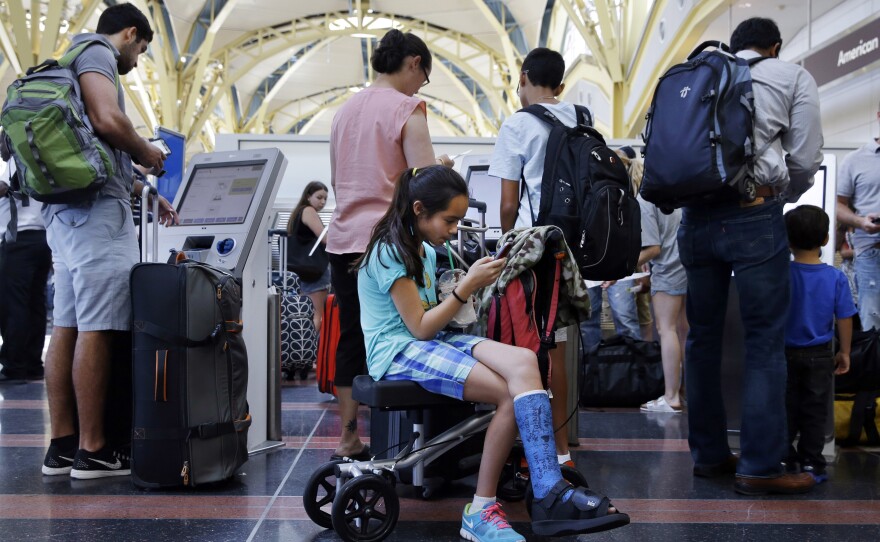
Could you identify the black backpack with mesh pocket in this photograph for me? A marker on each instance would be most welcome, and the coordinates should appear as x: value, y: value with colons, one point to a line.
x: 586, y: 192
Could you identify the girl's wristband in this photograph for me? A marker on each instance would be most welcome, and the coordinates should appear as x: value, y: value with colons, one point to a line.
x: 455, y: 295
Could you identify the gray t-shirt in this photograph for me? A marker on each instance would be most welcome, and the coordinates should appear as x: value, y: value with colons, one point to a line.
x: 658, y: 229
x: 859, y: 180
x: 99, y: 59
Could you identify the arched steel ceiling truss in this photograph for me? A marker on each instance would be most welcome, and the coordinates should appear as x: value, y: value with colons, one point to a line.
x: 249, y: 50
x: 196, y: 92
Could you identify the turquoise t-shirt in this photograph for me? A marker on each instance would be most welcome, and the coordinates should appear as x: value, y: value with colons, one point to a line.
x: 385, y: 333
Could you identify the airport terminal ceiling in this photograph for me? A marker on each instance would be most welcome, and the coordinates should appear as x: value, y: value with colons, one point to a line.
x: 285, y: 66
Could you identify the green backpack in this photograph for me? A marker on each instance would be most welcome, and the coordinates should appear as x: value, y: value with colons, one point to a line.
x: 59, y: 156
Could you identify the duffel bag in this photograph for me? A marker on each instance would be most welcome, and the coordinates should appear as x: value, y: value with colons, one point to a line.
x: 855, y: 419
x: 864, y: 367
x: 621, y: 372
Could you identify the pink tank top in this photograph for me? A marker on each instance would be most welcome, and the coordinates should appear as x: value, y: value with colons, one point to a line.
x: 366, y: 141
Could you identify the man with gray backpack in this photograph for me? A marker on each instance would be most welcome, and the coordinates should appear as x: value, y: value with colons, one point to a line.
x: 89, y: 224
x: 732, y: 222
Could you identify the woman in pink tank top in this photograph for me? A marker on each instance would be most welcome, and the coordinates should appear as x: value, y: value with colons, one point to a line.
x: 379, y: 132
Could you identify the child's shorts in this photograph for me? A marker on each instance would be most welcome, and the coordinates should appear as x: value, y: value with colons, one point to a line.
x: 440, y: 366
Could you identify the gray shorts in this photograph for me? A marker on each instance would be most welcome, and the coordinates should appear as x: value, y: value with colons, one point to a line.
x: 93, y: 251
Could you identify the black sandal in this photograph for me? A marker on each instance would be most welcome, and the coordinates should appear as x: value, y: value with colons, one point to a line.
x: 363, y: 455
x: 583, y: 512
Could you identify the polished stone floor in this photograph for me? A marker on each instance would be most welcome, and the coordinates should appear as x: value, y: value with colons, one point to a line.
x: 640, y: 460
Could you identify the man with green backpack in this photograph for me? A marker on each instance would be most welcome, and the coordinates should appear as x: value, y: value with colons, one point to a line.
x: 81, y: 169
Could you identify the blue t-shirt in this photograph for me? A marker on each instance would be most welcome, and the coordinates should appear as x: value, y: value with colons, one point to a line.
x: 385, y: 333
x: 819, y: 293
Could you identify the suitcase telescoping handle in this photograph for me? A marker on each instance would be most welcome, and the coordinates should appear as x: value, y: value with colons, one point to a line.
x: 154, y: 237
x: 282, y: 257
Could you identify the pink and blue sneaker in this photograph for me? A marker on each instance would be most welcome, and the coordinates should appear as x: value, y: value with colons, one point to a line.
x: 487, y: 525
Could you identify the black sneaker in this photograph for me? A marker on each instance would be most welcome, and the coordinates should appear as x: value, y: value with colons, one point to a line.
x: 569, y: 510
x: 105, y: 462
x: 58, y: 462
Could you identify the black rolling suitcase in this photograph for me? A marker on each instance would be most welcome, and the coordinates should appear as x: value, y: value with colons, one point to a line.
x: 190, y: 375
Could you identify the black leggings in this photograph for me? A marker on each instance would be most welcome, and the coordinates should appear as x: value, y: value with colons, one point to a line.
x: 351, y: 354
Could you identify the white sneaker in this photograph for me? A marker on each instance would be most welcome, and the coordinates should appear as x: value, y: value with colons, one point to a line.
x: 658, y: 405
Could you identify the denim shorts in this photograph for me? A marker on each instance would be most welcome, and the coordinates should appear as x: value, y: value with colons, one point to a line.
x: 440, y: 366
x: 322, y: 283
x: 93, y: 251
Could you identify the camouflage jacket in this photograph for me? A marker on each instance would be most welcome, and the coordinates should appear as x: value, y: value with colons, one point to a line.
x: 528, y: 247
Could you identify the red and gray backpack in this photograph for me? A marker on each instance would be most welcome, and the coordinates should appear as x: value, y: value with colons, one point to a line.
x: 539, y: 291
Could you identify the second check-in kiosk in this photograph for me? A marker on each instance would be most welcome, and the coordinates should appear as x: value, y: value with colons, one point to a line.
x: 224, y: 203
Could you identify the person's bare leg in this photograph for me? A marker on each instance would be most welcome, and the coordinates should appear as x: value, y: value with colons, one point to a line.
x: 349, y: 440
x: 318, y: 299
x: 667, y: 309
x: 559, y: 402
x: 59, y: 381
x: 91, y: 374
x: 516, y: 366
x: 486, y: 386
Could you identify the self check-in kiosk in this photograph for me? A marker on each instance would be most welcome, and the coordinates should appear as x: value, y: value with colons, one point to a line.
x: 225, y: 203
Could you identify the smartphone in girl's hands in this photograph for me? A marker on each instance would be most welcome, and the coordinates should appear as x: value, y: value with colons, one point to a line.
x: 504, y: 250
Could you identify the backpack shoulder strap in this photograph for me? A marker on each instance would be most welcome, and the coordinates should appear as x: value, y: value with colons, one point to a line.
x: 523, y: 189
x: 71, y: 55
x: 544, y: 114
x: 752, y: 61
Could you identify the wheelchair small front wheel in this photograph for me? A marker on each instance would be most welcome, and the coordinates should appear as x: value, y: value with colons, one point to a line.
x: 319, y: 493
x: 365, y: 509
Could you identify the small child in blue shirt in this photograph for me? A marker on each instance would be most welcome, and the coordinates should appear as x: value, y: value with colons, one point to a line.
x: 819, y: 294
x: 403, y: 325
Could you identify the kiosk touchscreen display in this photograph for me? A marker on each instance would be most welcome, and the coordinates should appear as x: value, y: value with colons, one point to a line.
x: 220, y: 194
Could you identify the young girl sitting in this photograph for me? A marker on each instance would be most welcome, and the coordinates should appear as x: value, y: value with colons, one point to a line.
x: 405, y: 341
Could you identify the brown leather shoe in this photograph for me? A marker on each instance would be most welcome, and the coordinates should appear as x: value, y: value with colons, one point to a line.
x: 726, y: 467
x: 787, y: 484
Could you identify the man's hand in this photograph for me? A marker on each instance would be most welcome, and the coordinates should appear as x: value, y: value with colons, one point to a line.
x: 4, y: 188
x: 151, y: 157
x: 167, y: 215
x: 868, y: 223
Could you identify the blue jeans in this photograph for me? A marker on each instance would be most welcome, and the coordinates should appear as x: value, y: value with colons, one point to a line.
x: 752, y: 243
x: 868, y: 278
x: 623, y: 312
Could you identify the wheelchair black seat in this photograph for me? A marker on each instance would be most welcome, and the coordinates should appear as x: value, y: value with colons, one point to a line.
x: 396, y: 394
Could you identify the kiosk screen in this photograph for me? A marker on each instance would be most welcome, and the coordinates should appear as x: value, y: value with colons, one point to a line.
x: 220, y: 194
